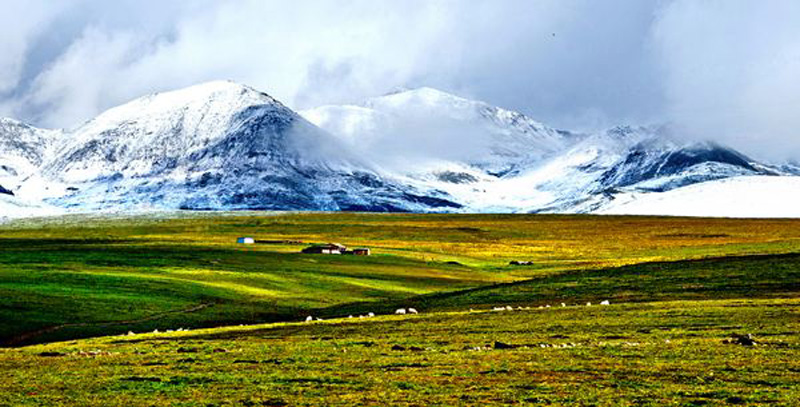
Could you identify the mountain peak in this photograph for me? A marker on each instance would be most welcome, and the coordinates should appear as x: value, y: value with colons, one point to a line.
x: 206, y: 89
x: 425, y: 96
x: 213, y: 103
x: 216, y: 92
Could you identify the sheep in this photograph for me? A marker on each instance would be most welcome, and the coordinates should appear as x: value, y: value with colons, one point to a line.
x: 401, y: 311
x: 588, y: 304
x: 499, y: 309
x: 412, y: 311
x: 349, y: 316
x: 309, y: 318
x: 370, y: 315
x: 605, y: 302
x: 360, y: 317
x: 509, y: 308
x: 130, y: 333
x: 563, y: 305
x: 547, y: 306
x: 155, y: 331
x: 319, y: 319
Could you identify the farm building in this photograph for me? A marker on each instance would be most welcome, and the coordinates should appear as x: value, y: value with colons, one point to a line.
x: 246, y: 240
x: 328, y: 248
x: 360, y: 251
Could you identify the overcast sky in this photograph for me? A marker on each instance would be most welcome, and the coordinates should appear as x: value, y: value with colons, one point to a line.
x: 725, y: 70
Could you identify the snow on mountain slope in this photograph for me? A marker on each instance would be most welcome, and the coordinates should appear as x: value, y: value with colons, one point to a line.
x: 588, y: 175
x: 739, y: 197
x: 221, y: 145
x: 425, y: 130
x: 150, y: 134
x: 23, y: 149
x: 490, y: 159
x: 218, y: 145
x: 12, y: 207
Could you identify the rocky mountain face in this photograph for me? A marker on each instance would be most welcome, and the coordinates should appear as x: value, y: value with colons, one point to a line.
x: 225, y: 146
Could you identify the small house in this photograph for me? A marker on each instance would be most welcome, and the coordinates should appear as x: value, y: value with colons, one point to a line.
x: 328, y: 248
x: 246, y: 240
x: 361, y: 251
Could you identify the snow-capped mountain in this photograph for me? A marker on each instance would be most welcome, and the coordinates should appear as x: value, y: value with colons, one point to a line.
x: 425, y: 130
x: 217, y: 145
x: 221, y: 145
x: 493, y: 159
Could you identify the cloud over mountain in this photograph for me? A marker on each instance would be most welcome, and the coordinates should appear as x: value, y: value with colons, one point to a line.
x: 719, y: 69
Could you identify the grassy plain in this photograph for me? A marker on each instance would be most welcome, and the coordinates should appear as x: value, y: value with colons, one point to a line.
x: 678, y: 287
x: 89, y: 276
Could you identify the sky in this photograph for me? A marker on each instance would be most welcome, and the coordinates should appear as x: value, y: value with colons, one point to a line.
x: 724, y: 70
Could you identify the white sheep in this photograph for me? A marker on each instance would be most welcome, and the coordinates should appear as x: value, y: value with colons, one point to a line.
x: 130, y: 333
x: 370, y: 315
x: 588, y: 304
x: 605, y: 302
x: 349, y: 316
x: 309, y: 318
x: 412, y: 311
x: 499, y: 309
x: 401, y: 311
x: 563, y: 305
x: 155, y: 331
x: 509, y: 308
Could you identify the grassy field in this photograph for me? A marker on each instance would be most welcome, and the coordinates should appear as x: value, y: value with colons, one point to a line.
x: 81, y: 276
x: 678, y: 288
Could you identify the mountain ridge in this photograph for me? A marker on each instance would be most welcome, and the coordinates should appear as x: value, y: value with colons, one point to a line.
x: 221, y: 145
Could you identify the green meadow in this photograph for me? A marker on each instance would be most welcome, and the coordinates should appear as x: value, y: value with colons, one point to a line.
x: 71, y: 288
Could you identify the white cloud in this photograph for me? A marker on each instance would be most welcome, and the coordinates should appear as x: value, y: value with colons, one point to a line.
x: 731, y: 72
x: 20, y: 23
x: 722, y: 69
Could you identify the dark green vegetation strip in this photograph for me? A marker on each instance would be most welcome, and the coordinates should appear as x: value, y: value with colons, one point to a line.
x: 747, y: 277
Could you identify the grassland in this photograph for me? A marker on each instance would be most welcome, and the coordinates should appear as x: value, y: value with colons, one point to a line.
x: 81, y: 276
x: 678, y: 288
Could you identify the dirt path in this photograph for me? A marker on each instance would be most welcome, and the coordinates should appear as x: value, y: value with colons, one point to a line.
x: 26, y: 337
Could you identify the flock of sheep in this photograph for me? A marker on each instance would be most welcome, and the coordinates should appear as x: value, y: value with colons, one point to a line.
x: 401, y: 311
x: 405, y: 311
x: 563, y: 305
